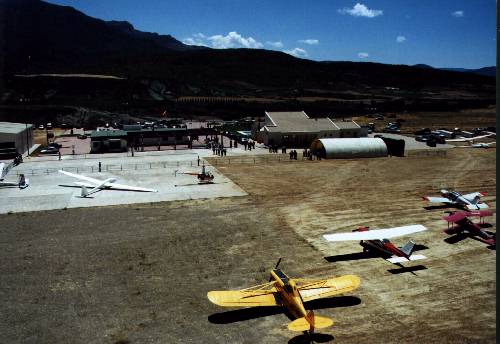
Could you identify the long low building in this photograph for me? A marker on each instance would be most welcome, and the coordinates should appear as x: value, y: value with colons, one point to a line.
x: 345, y: 148
x: 15, y: 138
x: 297, y: 129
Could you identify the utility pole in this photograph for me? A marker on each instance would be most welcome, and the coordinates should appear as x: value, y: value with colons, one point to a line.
x: 27, y: 139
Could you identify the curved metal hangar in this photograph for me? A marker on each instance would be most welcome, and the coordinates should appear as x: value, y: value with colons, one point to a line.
x: 345, y: 148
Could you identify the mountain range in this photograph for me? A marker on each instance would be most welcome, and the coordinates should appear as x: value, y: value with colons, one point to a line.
x: 40, y: 37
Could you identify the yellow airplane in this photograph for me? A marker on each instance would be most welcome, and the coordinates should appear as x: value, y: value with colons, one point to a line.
x: 290, y: 293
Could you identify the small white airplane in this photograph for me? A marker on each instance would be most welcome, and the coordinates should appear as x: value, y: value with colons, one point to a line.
x: 22, y: 183
x: 470, y: 201
x: 96, y: 185
x: 377, y: 241
x: 470, y: 139
x: 478, y: 145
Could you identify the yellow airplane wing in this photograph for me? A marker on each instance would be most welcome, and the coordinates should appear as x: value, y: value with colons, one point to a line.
x: 244, y: 298
x: 317, y: 289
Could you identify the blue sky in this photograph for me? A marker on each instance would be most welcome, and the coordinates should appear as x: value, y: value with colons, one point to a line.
x: 444, y: 33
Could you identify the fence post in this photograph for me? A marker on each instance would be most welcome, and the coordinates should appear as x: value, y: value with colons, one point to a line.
x: 121, y: 167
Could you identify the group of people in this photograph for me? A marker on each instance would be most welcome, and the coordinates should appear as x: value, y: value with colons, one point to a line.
x: 250, y: 144
x: 219, y: 149
x: 293, y: 154
x: 307, y: 154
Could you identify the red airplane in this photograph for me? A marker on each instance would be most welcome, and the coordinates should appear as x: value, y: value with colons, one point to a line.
x: 204, y: 177
x: 378, y: 240
x: 465, y: 224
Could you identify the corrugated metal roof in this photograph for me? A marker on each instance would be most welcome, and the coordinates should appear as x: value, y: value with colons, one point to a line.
x: 13, y: 128
x: 108, y: 133
x: 346, y: 124
x: 342, y: 148
x: 297, y: 122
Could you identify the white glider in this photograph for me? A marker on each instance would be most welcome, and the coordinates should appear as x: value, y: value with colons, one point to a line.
x: 96, y: 185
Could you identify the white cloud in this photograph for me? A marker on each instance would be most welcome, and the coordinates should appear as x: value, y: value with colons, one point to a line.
x: 400, y: 39
x: 193, y: 41
x: 458, y: 14
x: 297, y: 52
x: 363, y: 55
x: 234, y: 40
x: 231, y: 40
x: 360, y: 10
x: 309, y: 41
x: 277, y: 44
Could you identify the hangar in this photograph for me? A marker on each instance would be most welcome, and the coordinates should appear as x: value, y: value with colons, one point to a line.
x: 15, y: 138
x: 344, y: 148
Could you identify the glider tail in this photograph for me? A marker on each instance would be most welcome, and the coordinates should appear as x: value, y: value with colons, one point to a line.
x: 23, y: 181
x: 85, y: 192
x: 309, y: 323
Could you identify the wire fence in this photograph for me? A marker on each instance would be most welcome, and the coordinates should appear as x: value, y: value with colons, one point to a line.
x: 215, y: 161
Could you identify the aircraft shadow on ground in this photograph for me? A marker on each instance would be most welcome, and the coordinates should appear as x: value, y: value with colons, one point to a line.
x: 461, y: 236
x: 243, y: 314
x: 259, y: 312
x: 365, y: 255
x: 404, y: 269
x: 309, y: 339
x: 443, y: 206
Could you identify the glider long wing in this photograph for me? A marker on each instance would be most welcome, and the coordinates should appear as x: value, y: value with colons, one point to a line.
x: 376, y: 234
x: 116, y: 186
x: 312, y: 290
x: 78, y: 176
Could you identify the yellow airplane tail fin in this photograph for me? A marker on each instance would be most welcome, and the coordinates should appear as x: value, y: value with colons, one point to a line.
x: 309, y: 323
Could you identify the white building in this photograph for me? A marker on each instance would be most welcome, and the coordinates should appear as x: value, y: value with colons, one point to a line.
x: 15, y: 138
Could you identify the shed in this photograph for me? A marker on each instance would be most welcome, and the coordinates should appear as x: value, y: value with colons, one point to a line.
x: 342, y: 148
x: 15, y: 138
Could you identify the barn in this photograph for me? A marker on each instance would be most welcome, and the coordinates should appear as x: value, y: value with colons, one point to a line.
x: 345, y: 148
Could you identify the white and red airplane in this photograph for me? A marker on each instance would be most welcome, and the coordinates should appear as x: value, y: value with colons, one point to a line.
x: 96, y: 185
x: 377, y: 241
x: 469, y: 201
x: 461, y: 219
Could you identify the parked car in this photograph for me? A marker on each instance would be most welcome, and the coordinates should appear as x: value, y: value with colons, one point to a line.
x: 55, y: 144
x: 421, y: 138
x: 50, y: 150
x: 423, y: 131
x: 82, y: 136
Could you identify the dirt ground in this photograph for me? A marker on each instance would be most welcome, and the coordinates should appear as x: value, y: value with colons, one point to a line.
x: 140, y: 274
x: 413, y: 121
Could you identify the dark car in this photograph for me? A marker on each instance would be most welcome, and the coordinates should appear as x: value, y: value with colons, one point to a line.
x: 82, y: 136
x: 55, y: 144
x: 422, y: 138
x: 423, y: 131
